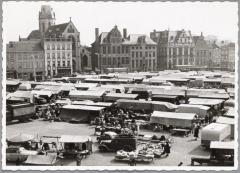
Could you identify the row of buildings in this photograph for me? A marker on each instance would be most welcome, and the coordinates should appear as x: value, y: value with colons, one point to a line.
x: 54, y: 50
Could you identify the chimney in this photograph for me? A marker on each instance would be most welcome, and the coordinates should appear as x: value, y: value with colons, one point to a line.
x: 125, y: 33
x: 96, y: 34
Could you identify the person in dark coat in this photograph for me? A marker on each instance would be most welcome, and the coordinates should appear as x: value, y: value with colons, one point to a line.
x: 166, y: 149
x: 196, y: 131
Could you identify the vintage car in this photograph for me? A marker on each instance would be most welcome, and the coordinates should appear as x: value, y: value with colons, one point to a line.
x: 106, y: 136
x: 20, y: 154
x: 119, y: 142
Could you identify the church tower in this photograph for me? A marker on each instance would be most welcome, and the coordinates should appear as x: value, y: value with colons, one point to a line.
x: 46, y: 18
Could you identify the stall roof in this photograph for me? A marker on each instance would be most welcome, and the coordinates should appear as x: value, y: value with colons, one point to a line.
x: 86, y: 93
x: 226, y: 120
x: 83, y: 107
x: 167, y: 104
x: 43, y: 93
x: 12, y: 82
x: 22, y: 138
x: 74, y: 139
x: 207, y: 102
x: 194, y: 106
x: 165, y: 96
x: 21, y: 94
x: 41, y: 159
x: 121, y: 95
x: 90, y: 103
x: 214, y: 95
x: 173, y: 115
x: 86, y: 85
x: 63, y: 101
x: 222, y: 145
x: 215, y: 127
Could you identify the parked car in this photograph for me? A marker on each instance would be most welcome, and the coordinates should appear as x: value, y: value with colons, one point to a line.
x: 14, y: 153
x: 119, y: 142
x: 106, y: 136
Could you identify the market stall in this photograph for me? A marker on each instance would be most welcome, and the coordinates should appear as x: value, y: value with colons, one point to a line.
x: 80, y: 113
x: 181, y: 120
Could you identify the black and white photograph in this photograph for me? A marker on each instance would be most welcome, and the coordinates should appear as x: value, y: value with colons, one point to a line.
x: 120, y: 85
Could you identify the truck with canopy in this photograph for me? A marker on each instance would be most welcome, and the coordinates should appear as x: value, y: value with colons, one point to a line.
x: 80, y: 113
x: 200, y: 110
x: 74, y: 144
x: 181, y: 120
x: 214, y: 132
x: 86, y: 95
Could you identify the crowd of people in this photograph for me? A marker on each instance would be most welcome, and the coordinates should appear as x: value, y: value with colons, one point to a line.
x: 50, y: 113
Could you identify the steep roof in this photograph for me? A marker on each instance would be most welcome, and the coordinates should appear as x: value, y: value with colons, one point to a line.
x: 25, y: 46
x: 137, y: 39
x: 35, y: 34
x: 56, y: 30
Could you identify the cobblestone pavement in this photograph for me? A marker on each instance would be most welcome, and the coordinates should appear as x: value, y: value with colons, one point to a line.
x: 182, y: 150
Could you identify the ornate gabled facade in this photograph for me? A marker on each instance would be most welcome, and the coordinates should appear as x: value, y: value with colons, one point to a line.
x: 142, y: 52
x: 227, y: 56
x: 175, y: 49
x: 60, y: 49
x: 203, y: 55
x: 114, y: 50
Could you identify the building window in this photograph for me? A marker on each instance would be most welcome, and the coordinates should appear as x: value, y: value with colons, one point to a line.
x: 127, y: 60
x: 133, y: 54
x: 68, y: 46
x: 123, y: 60
x: 140, y: 54
x: 123, y: 49
x: 109, y: 49
x: 53, y: 56
x: 132, y: 63
x: 153, y: 54
x: 146, y: 54
x: 136, y: 63
x: 49, y: 72
x: 58, y: 47
x: 113, y: 50
x: 48, y: 47
x: 63, y: 46
x: 58, y: 55
x: 48, y: 63
x: 48, y: 55
x: 104, y: 61
x: 141, y: 64
x: 104, y: 50
x: 54, y: 72
x: 127, y: 49
x: 58, y: 63
x: 68, y: 63
x: 53, y: 47
x: 63, y: 55
x: 118, y: 49
x: 137, y: 54
x: 63, y: 63
x: 185, y: 51
x: 53, y: 64
x: 180, y: 62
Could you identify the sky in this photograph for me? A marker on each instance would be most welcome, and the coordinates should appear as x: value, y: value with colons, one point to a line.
x: 211, y: 18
